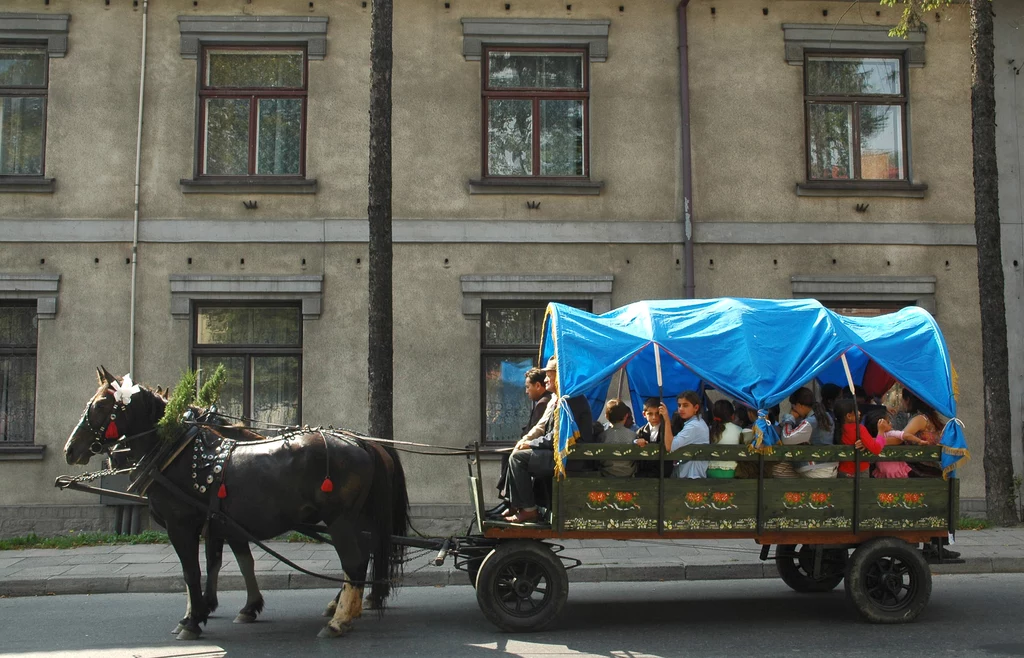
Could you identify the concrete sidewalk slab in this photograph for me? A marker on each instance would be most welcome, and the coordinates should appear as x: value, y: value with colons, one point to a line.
x: 154, y: 568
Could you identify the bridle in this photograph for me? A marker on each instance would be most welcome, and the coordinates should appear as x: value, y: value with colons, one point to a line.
x: 108, y: 435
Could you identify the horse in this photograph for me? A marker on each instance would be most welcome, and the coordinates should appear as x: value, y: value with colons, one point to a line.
x: 355, y: 487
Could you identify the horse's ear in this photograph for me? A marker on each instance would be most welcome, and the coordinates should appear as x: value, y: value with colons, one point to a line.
x: 105, y: 377
x: 161, y: 392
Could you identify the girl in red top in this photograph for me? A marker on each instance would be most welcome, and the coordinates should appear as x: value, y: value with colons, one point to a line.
x: 850, y: 432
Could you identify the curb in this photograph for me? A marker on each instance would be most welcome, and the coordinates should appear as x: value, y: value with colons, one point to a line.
x: 66, y: 585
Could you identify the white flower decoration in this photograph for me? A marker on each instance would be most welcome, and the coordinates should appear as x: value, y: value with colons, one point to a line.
x: 124, y: 391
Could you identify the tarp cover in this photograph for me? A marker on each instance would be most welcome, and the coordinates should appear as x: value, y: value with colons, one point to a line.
x: 756, y: 351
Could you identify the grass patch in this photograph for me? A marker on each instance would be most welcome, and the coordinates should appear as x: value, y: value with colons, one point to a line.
x: 76, y: 539
x: 972, y: 523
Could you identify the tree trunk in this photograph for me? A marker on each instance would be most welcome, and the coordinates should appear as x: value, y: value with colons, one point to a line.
x: 998, y: 463
x: 380, y: 363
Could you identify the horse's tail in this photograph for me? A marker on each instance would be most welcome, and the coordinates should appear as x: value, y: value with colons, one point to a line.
x: 390, y: 506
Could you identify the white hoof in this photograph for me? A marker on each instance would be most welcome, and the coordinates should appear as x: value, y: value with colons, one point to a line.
x: 177, y: 629
x: 188, y: 635
x: 244, y: 618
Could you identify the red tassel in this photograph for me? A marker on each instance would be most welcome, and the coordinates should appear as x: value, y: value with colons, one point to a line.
x: 327, y: 486
x: 222, y: 492
x: 112, y: 432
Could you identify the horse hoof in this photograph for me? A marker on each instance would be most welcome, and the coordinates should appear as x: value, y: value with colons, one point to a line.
x: 186, y: 634
x: 244, y: 618
x: 329, y: 631
x: 177, y: 629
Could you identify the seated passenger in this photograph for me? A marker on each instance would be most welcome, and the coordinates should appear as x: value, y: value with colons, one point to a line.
x: 796, y: 428
x: 723, y: 432
x: 694, y: 432
x: 850, y: 432
x: 926, y: 426
x: 823, y: 435
x: 616, y: 412
x: 532, y: 457
x: 653, y: 432
x: 878, y: 425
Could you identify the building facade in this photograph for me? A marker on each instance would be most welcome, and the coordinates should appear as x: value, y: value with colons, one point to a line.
x: 538, y: 156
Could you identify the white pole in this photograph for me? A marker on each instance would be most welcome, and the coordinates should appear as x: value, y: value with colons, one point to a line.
x: 657, y: 366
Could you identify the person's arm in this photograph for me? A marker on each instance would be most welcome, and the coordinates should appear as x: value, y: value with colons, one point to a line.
x: 893, y: 438
x: 537, y: 431
x: 801, y: 433
x: 873, y: 444
x: 916, y: 424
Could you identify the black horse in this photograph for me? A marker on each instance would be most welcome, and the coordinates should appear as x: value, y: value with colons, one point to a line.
x: 356, y: 488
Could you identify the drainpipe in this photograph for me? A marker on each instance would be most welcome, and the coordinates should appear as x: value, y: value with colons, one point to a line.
x: 138, y: 166
x: 687, y: 166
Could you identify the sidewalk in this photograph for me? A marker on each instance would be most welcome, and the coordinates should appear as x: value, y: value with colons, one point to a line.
x: 155, y: 568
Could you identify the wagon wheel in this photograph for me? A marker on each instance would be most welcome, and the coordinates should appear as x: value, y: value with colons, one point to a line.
x: 521, y: 586
x: 796, y: 567
x: 888, y: 581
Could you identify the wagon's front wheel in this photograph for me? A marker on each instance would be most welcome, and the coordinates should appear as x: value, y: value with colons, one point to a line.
x: 888, y: 581
x: 796, y: 567
x: 521, y: 586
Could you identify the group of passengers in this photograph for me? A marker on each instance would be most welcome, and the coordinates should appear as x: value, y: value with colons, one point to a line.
x: 831, y: 419
x: 827, y: 420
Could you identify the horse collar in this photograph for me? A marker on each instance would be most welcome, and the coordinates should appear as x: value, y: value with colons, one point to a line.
x: 209, y: 456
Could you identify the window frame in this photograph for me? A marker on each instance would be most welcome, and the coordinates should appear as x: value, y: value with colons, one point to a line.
x: 26, y: 91
x: 509, y: 350
x: 535, y: 95
x: 7, y: 350
x: 253, y: 94
x: 855, y: 101
x: 248, y: 351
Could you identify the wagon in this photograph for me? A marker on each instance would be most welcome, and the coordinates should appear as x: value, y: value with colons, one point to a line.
x: 862, y: 531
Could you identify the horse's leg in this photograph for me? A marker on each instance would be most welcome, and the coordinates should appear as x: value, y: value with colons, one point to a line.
x: 186, y: 545
x: 354, y: 562
x: 253, y: 598
x: 333, y: 605
x: 214, y: 561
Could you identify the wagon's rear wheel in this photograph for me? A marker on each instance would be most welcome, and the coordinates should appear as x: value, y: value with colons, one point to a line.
x: 888, y: 581
x: 796, y: 567
x: 521, y: 586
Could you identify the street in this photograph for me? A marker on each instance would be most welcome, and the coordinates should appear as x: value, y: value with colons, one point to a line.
x: 971, y: 615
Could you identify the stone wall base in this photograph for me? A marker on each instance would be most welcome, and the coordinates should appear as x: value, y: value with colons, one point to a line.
x: 54, y: 520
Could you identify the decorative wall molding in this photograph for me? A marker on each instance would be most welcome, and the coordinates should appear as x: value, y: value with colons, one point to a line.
x: 906, y: 290
x: 264, y: 287
x: 51, y: 28
x: 813, y: 233
x: 480, y: 32
x: 264, y: 30
x: 800, y: 37
x: 41, y: 287
x: 540, y: 287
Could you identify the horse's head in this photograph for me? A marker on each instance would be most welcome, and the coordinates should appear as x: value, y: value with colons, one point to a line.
x: 118, y: 408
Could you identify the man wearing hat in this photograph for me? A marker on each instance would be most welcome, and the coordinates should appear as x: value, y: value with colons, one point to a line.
x: 533, y: 456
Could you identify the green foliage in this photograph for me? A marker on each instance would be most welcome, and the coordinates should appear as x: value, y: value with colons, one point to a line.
x: 913, y: 11
x: 210, y: 391
x: 972, y: 523
x: 184, y: 394
x: 75, y: 539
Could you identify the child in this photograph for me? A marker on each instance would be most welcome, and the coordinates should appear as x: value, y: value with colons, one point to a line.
x: 723, y: 432
x: 878, y: 425
x: 616, y: 412
x: 653, y: 432
x: 694, y: 432
x: 849, y: 432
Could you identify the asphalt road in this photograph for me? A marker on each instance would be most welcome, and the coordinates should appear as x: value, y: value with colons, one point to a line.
x: 976, y: 615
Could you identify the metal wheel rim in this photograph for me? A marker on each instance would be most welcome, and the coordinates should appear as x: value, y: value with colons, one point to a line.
x: 890, y: 583
x: 522, y: 588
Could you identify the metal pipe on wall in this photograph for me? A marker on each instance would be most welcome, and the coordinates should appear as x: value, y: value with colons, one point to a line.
x: 686, y: 164
x: 138, y: 167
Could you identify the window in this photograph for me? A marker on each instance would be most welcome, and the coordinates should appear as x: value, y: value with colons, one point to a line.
x: 535, y: 113
x: 252, y: 112
x: 261, y: 349
x: 856, y: 116
x: 510, y: 341
x: 17, y: 373
x: 23, y: 85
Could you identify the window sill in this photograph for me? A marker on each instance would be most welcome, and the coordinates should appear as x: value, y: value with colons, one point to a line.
x: 33, y: 184
x: 248, y: 185
x: 862, y: 189
x: 25, y: 452
x: 531, y: 186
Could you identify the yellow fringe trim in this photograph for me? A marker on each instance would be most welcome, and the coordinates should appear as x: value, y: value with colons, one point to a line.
x: 963, y: 453
x: 956, y: 382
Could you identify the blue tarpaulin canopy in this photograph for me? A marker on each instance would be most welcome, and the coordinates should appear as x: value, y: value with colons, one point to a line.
x: 756, y: 351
